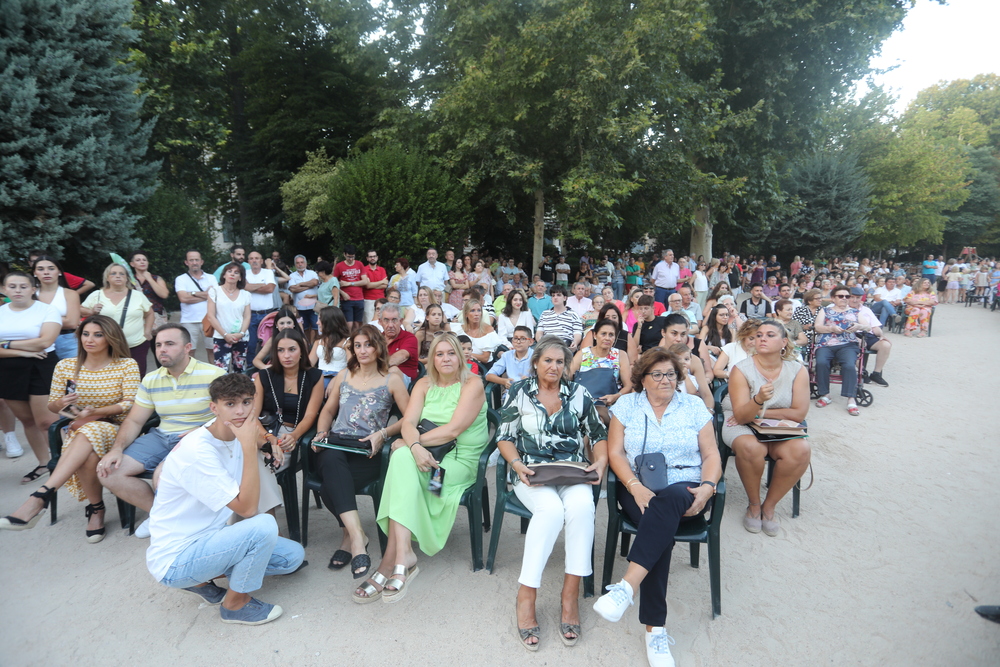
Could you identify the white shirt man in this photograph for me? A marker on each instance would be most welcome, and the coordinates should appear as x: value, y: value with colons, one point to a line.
x: 579, y: 303
x: 666, y: 273
x: 432, y: 273
x: 262, y: 284
x: 192, y: 291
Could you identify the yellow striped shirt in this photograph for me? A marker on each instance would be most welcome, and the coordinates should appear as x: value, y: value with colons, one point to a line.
x: 181, y: 403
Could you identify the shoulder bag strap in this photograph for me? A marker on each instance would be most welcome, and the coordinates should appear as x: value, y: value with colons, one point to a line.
x: 128, y: 297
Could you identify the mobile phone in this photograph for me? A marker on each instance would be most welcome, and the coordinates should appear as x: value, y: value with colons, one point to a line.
x: 436, y: 482
x: 70, y: 387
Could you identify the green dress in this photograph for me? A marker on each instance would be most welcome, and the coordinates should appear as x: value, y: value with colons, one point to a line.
x: 405, y: 497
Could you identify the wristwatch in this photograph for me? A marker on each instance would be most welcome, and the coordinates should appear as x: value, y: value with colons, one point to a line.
x: 712, y: 484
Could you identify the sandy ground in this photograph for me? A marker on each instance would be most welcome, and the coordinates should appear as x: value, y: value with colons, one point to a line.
x: 897, y: 542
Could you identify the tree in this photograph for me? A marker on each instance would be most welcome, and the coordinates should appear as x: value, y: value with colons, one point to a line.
x: 72, y: 146
x: 576, y: 104
x: 967, y: 109
x: 832, y: 197
x: 389, y: 199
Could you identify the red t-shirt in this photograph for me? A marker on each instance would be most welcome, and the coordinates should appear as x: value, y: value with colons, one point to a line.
x: 658, y: 308
x: 374, y: 275
x: 351, y: 274
x: 406, y: 341
x: 73, y: 282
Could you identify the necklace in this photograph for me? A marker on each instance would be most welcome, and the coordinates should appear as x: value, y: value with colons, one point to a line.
x: 761, y: 369
x: 277, y: 403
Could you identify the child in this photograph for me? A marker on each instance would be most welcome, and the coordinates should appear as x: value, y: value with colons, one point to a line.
x: 695, y: 384
x: 982, y: 279
x: 467, y: 351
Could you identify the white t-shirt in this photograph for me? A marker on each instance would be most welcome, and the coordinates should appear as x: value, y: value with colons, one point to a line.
x: 450, y: 311
x: 700, y: 281
x: 194, y: 312
x: 486, y: 343
x: 888, y: 295
x: 506, y: 329
x: 27, y: 323
x: 259, y: 300
x: 199, y: 479
x: 307, y: 298
x: 228, y: 311
x: 736, y: 354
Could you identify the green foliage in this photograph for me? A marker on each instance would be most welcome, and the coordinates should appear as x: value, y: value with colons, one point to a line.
x: 977, y: 221
x: 832, y: 198
x: 388, y: 199
x: 964, y: 109
x: 304, y: 196
x: 72, y: 145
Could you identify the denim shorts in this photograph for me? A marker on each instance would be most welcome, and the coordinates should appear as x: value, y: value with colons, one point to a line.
x: 354, y: 310
x: 151, y: 448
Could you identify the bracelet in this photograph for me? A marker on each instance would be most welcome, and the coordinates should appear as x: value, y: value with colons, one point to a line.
x: 5, y: 345
x: 754, y: 397
x: 628, y: 484
x: 416, y: 442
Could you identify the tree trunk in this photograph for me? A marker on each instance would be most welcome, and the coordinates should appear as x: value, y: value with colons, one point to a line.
x: 701, y: 232
x: 539, y: 240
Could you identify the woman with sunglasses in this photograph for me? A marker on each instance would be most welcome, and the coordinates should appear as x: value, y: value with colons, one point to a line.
x: 837, y: 327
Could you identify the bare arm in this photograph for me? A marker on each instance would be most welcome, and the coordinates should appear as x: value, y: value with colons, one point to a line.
x: 47, y: 336
x: 246, y: 501
x: 72, y: 318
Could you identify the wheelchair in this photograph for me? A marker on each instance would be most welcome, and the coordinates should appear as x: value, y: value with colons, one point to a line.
x: 864, y: 397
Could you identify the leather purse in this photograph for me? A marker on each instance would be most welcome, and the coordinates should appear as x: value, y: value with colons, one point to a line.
x: 652, y: 469
x: 437, y: 451
x: 561, y: 473
x: 353, y: 444
x: 598, y: 382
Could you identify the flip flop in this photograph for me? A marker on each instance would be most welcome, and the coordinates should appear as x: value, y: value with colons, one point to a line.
x: 339, y: 559
x: 572, y: 628
x: 853, y: 411
x: 371, y: 594
x: 400, y: 585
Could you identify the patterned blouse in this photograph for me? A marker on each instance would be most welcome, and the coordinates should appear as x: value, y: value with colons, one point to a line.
x: 842, y: 319
x: 542, y: 438
x: 589, y: 360
x: 675, y: 434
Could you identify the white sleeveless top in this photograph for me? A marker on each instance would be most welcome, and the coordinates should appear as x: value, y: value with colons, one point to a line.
x: 337, y: 363
x: 58, y: 301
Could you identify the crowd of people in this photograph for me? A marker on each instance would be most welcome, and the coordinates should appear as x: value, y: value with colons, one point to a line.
x: 611, y: 363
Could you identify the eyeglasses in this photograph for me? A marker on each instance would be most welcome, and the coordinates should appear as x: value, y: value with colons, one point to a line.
x: 841, y: 296
x: 658, y: 376
x: 520, y: 339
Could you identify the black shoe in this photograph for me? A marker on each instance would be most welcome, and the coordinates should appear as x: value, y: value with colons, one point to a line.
x: 866, y: 377
x: 878, y: 379
x: 94, y: 536
x: 989, y: 612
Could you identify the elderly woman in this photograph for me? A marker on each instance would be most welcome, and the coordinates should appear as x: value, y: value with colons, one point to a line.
x: 806, y: 313
x: 545, y: 418
x: 616, y: 379
x: 127, y: 306
x: 453, y: 400
x: 658, y: 420
x: 919, y: 305
x: 772, y: 384
x: 836, y: 328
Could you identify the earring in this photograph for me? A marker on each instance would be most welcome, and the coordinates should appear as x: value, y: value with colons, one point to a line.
x: 783, y: 350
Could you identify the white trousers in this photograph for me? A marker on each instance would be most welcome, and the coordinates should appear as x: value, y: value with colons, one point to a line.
x: 552, y: 507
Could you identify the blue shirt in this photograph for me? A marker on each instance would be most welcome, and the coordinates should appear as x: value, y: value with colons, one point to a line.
x: 516, y: 369
x: 538, y: 306
x: 675, y: 435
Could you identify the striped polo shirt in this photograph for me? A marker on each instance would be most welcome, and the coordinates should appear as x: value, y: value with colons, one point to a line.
x: 181, y: 403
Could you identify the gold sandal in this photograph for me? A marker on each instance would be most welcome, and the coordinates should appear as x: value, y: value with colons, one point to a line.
x: 399, y: 584
x: 371, y: 594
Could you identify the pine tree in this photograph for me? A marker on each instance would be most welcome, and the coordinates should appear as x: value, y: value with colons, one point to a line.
x: 72, y: 146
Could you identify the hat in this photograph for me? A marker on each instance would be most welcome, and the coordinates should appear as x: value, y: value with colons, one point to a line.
x: 857, y: 291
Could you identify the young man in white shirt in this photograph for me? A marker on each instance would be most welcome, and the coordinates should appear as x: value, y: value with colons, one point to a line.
x: 261, y: 284
x: 192, y: 291
x: 211, y: 474
x: 887, y: 298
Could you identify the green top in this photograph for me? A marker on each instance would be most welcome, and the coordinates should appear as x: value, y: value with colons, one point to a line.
x: 630, y: 279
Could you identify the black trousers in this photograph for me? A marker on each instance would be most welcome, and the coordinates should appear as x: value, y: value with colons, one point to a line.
x: 344, y: 475
x: 654, y: 544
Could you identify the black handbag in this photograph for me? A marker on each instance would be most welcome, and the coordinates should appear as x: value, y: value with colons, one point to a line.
x: 652, y: 469
x: 353, y: 444
x: 598, y: 382
x: 437, y: 451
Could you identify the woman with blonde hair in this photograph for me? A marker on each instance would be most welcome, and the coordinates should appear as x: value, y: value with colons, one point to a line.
x: 735, y: 352
x: 119, y: 300
x: 447, y: 405
x: 97, y: 387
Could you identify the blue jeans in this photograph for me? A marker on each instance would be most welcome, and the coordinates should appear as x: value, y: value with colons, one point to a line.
x: 883, y: 311
x: 66, y: 346
x: 619, y: 287
x: 663, y: 293
x: 847, y: 355
x: 243, y: 553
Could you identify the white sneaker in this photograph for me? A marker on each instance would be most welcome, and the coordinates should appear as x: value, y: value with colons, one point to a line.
x: 658, y: 644
x: 142, y: 530
x: 13, y: 446
x: 612, y: 605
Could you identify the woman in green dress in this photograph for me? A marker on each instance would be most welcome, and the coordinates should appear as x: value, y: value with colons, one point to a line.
x: 453, y: 398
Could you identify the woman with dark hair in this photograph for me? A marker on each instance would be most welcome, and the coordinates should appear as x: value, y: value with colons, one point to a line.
x: 28, y: 330
x: 229, y: 314
x: 329, y: 352
x: 603, y: 355
x: 433, y: 324
x: 657, y: 419
x: 119, y: 300
x: 152, y: 285
x: 360, y: 400
x: 609, y: 311
x: 515, y: 314
x: 97, y: 387
x: 52, y: 289
x: 292, y: 392
x: 717, y: 333
x: 287, y: 317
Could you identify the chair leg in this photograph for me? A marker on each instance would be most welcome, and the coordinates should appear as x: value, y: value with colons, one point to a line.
x: 319, y: 503
x: 695, y: 554
x: 305, y: 514
x: 52, y: 510
x: 714, y: 574
x: 289, y: 494
x: 475, y: 531
x: 588, y: 581
x: 795, y: 499
x: 626, y: 541
x: 524, y: 525
x: 497, y: 526
x: 609, y: 553
x: 486, y: 508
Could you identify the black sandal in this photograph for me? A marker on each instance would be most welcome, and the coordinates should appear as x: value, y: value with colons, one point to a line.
x: 34, y: 474
x: 361, y: 560
x: 13, y: 523
x: 94, y: 536
x: 339, y: 559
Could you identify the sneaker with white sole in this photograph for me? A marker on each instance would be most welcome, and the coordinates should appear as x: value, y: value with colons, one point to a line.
x: 142, y: 530
x: 13, y: 446
x: 254, y: 612
x: 658, y: 644
x: 210, y: 593
x: 612, y: 605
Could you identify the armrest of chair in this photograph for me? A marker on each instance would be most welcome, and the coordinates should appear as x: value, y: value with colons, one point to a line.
x: 55, y: 440
x: 493, y: 419
x: 150, y: 424
x: 613, y: 510
x: 718, y: 503
x: 502, y: 468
